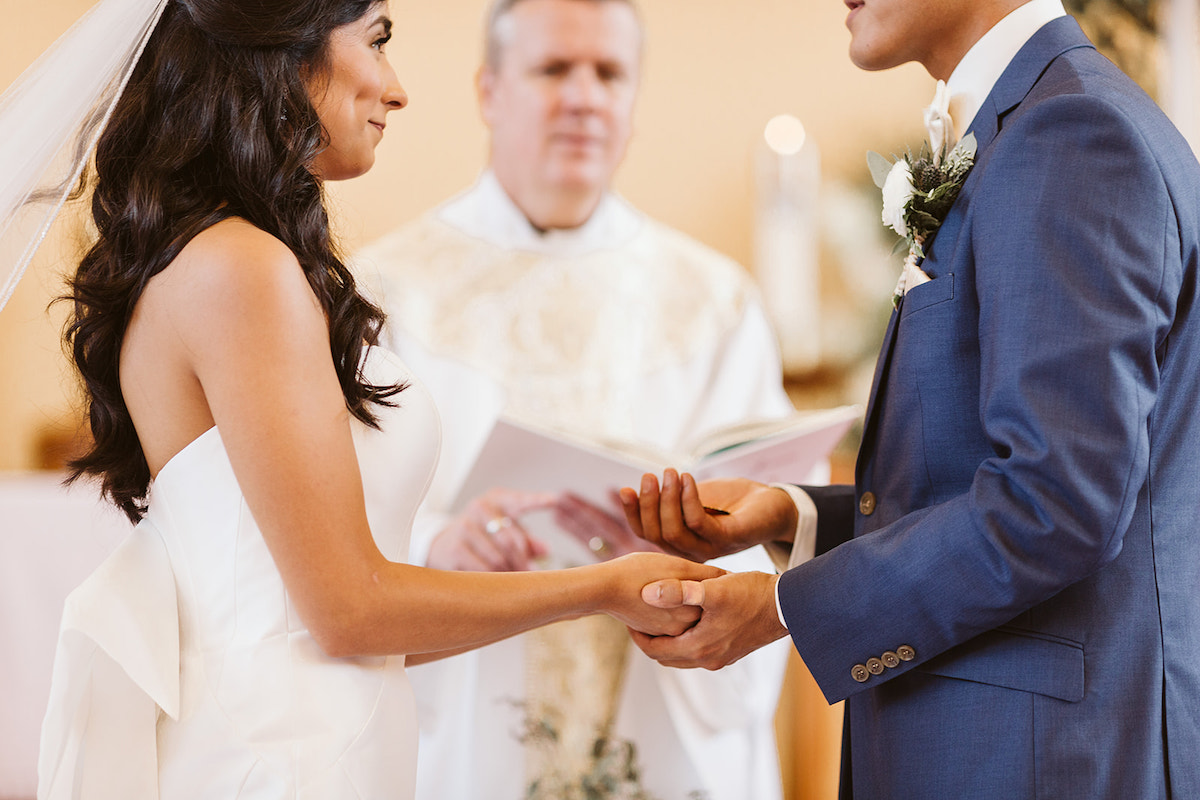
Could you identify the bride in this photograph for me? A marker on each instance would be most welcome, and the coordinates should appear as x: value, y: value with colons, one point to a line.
x: 249, y: 639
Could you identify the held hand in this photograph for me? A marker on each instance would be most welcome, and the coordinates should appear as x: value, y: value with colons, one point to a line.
x: 675, y: 518
x: 632, y: 573
x: 487, y: 537
x: 604, y: 533
x: 739, y: 616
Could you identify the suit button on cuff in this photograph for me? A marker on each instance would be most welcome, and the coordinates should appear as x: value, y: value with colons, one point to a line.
x: 859, y: 673
x: 874, y: 666
x: 890, y: 660
x: 866, y: 504
x: 905, y: 653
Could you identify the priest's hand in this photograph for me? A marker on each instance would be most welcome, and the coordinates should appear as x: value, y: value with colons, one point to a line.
x: 739, y: 616
x: 605, y: 532
x: 704, y: 521
x: 488, y: 537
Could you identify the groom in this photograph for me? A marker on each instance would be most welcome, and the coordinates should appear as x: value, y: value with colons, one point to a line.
x: 1009, y: 596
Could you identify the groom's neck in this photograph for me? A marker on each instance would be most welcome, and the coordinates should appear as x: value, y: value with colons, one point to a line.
x: 973, y: 21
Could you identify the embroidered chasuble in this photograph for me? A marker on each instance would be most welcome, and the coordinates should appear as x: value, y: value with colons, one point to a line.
x: 624, y: 332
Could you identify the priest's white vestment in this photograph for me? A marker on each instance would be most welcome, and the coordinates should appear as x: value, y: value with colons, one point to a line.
x: 622, y: 330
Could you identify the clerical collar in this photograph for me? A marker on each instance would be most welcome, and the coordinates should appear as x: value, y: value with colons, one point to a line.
x: 973, y: 78
x: 485, y: 211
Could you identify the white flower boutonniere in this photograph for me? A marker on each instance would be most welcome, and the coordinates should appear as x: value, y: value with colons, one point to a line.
x: 918, y: 192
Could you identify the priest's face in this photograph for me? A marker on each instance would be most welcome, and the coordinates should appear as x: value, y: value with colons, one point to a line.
x: 559, y: 95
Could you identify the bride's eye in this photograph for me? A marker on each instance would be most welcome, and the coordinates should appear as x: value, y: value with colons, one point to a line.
x: 379, y: 43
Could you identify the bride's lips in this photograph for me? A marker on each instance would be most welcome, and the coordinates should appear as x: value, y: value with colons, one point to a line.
x: 854, y: 6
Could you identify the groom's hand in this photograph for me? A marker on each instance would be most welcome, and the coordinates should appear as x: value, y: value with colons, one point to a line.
x: 704, y: 521
x: 738, y: 617
x: 625, y: 596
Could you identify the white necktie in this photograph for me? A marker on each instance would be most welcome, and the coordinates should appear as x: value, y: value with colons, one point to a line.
x: 938, y: 123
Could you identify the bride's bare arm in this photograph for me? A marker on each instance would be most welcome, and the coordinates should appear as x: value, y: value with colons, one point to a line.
x: 255, y: 340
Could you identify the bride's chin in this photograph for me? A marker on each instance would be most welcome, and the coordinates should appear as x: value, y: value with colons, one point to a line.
x: 342, y: 169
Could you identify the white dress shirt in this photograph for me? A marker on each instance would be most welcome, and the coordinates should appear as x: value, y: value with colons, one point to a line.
x: 973, y: 78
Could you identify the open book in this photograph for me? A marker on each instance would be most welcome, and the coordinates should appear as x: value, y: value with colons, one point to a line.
x: 786, y: 450
x: 518, y: 456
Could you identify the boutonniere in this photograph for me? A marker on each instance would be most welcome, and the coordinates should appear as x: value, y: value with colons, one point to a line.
x: 917, y: 194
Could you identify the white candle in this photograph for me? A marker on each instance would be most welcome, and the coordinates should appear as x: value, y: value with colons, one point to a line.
x: 786, y: 240
x: 1180, y: 78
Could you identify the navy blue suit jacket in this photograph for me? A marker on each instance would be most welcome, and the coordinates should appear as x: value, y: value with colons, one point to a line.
x: 1024, y: 589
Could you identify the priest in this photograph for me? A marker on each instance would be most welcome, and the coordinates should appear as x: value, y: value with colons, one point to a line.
x: 601, y: 323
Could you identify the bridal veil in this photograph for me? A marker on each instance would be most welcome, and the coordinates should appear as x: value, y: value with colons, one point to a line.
x: 52, y: 117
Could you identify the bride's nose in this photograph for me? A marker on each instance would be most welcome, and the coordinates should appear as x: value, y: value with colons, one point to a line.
x: 394, y: 96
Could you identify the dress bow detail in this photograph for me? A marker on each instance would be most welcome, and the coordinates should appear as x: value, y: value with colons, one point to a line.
x: 117, y: 664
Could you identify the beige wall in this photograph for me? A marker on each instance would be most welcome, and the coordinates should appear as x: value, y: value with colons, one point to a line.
x: 716, y: 71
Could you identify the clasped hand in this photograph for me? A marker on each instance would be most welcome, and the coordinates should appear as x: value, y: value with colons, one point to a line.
x: 739, y: 611
x: 629, y: 578
x: 488, y: 535
x: 680, y: 614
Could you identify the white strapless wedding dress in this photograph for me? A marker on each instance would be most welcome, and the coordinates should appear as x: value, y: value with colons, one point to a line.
x: 184, y: 671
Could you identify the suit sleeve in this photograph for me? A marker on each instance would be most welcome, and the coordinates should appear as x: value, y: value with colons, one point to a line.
x: 1070, y: 225
x: 835, y: 514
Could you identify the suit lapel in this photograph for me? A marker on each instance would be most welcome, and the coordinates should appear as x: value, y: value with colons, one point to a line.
x: 881, y: 370
x: 1018, y: 79
x: 1052, y: 40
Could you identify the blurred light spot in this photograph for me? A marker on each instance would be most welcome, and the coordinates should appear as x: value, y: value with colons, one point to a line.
x: 785, y: 135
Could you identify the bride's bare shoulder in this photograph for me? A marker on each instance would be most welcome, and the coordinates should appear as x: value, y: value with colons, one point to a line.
x: 233, y: 269
x: 231, y: 249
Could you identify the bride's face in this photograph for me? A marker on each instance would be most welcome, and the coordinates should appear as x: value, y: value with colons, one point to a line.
x: 355, y: 95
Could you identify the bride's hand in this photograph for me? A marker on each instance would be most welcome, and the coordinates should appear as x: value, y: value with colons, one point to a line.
x: 630, y: 573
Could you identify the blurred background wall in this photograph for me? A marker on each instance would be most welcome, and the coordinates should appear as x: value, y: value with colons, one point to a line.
x: 715, y: 73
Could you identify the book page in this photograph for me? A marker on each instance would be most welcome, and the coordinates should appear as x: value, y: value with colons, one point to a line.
x: 517, y: 456
x: 786, y: 455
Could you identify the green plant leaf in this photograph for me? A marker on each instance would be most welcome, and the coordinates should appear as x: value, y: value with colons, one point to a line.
x: 880, y: 168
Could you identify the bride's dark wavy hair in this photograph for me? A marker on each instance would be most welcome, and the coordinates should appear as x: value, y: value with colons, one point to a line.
x: 215, y: 122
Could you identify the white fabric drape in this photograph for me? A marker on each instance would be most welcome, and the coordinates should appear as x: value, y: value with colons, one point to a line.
x: 52, y: 116
x: 621, y: 331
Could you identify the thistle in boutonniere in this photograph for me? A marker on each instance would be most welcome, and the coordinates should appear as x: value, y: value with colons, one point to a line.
x: 917, y: 194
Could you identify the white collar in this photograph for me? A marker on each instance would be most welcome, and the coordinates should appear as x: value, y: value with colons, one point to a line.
x: 973, y: 78
x: 485, y: 211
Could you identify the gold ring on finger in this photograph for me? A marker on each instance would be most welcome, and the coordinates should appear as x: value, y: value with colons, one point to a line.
x: 497, y: 524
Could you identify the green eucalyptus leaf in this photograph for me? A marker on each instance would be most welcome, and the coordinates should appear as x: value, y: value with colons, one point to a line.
x: 880, y: 168
x: 967, y: 147
x: 946, y: 189
x: 919, y: 219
